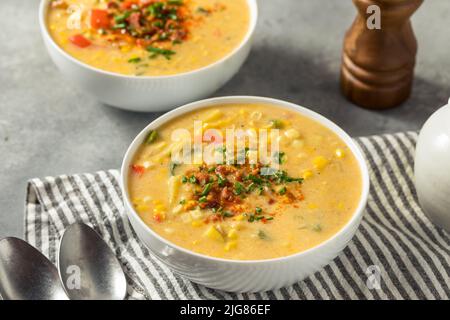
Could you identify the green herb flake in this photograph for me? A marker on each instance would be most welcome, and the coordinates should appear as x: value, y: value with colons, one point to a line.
x: 135, y: 60
x: 206, y: 189
x: 277, y: 124
x: 166, y: 53
x: 238, y: 188
x: 151, y: 137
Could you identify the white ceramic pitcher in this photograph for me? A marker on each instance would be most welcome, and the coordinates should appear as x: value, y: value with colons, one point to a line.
x: 432, y: 167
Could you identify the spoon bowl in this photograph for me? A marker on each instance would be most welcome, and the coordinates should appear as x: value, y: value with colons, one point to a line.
x: 26, y: 274
x: 87, y: 266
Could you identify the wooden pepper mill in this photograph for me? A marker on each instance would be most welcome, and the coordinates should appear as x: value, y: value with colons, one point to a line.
x: 378, y: 64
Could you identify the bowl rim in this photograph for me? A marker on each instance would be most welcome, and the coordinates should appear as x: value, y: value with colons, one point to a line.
x: 253, y: 9
x: 177, y: 112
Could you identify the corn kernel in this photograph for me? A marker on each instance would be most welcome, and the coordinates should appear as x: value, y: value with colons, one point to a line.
x: 213, y: 234
x: 196, y: 223
x: 312, y: 206
x: 232, y: 234
x: 189, y: 205
x: 141, y: 208
x: 156, y: 202
x: 159, y: 208
x: 292, y: 133
x: 307, y: 174
x: 339, y: 153
x: 239, y: 217
x: 298, y: 143
x: 320, y: 162
x: 230, y: 245
x: 125, y: 49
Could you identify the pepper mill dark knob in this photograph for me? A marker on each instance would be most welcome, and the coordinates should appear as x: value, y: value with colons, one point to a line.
x: 378, y: 64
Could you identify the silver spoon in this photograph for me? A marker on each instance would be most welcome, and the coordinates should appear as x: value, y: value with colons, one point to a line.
x: 26, y: 274
x: 87, y: 266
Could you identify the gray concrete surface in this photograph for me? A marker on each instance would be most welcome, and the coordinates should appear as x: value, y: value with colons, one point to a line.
x: 48, y: 127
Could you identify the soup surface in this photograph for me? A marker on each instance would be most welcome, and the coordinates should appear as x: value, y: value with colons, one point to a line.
x: 148, y: 37
x: 246, y: 210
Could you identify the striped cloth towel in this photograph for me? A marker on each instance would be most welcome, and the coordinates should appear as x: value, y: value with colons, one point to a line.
x: 397, y: 252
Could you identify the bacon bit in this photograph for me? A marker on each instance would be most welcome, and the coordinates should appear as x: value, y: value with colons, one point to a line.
x: 112, y: 5
x: 138, y: 169
x: 202, y: 177
x: 157, y: 217
x: 271, y: 201
x: 134, y: 20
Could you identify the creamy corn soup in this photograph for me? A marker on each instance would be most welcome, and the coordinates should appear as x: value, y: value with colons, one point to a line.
x: 245, y: 211
x: 148, y: 37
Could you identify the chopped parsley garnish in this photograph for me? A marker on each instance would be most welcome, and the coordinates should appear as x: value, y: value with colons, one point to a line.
x: 151, y: 137
x: 166, y: 53
x: 134, y: 60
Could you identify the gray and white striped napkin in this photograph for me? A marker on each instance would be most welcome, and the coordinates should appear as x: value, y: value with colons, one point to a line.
x: 397, y: 252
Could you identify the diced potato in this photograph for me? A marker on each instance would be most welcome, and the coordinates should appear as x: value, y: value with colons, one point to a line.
x: 197, y: 214
x: 169, y: 230
x: 177, y: 209
x: 292, y: 133
x: 298, y: 143
x: 147, y: 199
x: 186, y: 218
x: 230, y: 245
x: 320, y: 162
x: 213, y: 234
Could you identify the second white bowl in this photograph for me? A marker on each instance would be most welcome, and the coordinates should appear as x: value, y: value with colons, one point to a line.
x: 147, y: 93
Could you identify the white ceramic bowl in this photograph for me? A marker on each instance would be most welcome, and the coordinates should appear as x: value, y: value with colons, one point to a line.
x: 234, y: 275
x: 149, y: 93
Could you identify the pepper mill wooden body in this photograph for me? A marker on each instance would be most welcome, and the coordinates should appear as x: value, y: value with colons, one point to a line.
x: 378, y: 64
